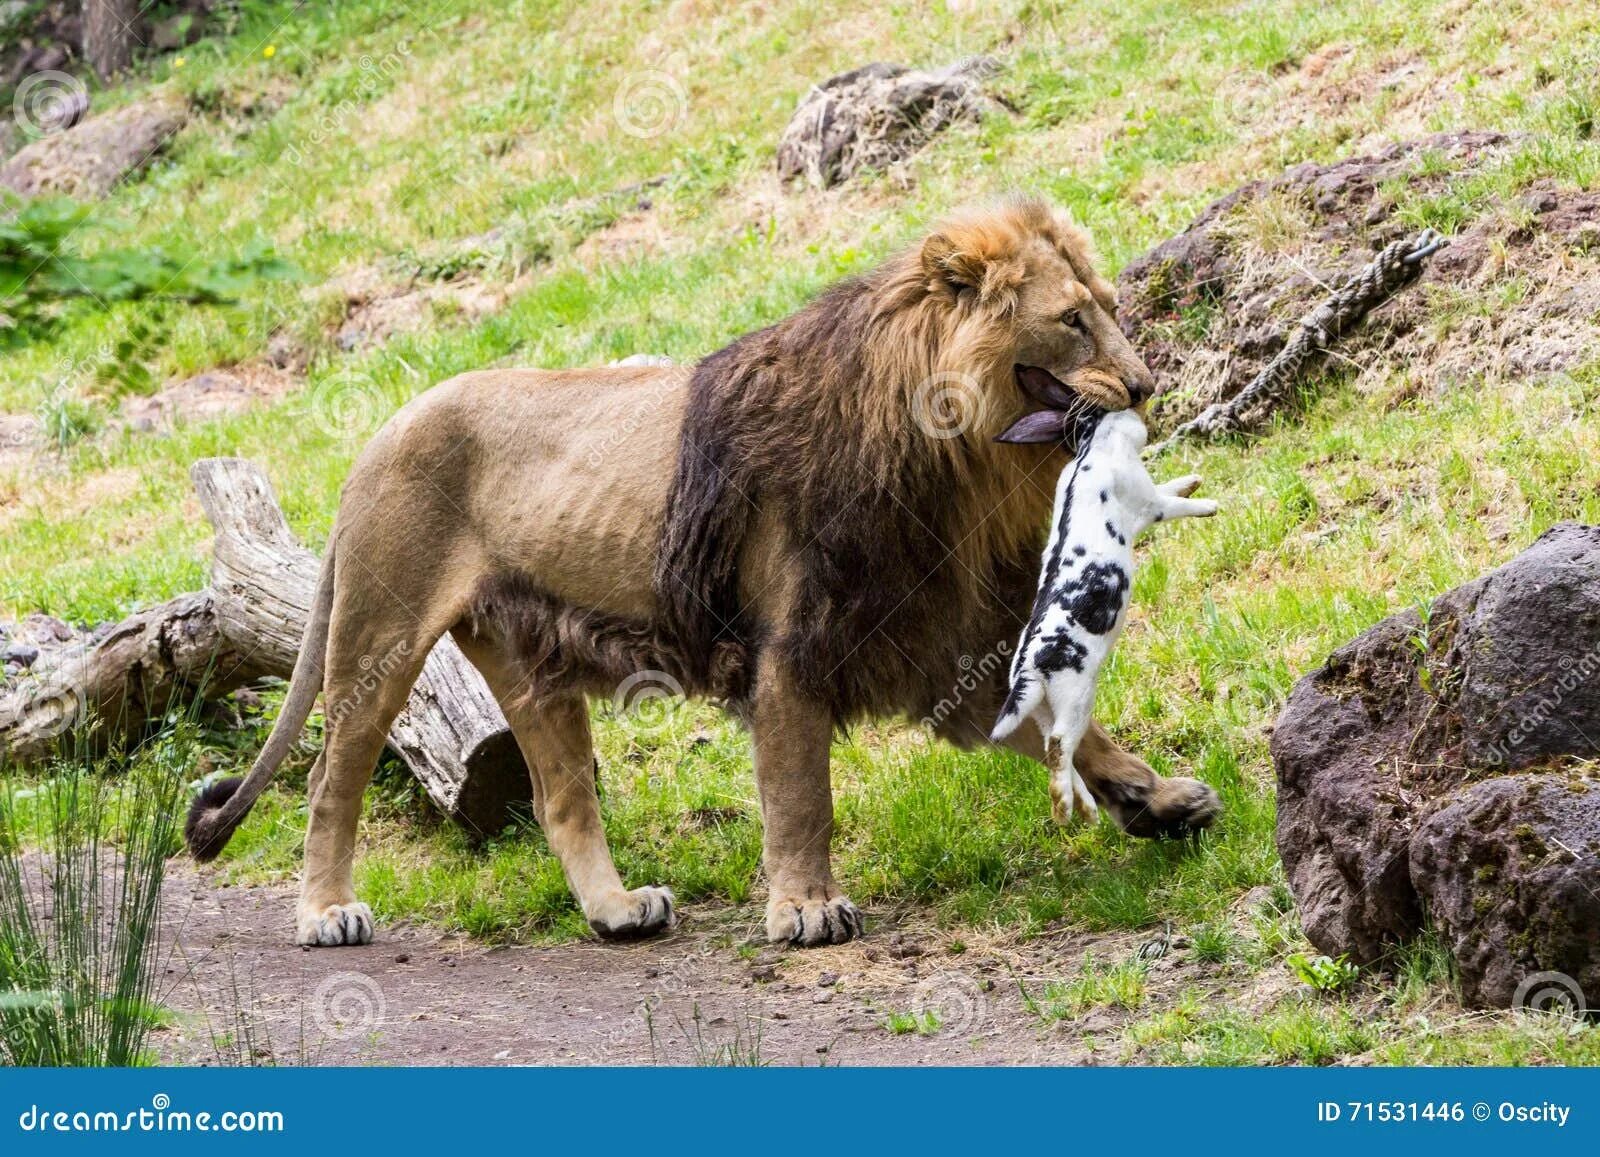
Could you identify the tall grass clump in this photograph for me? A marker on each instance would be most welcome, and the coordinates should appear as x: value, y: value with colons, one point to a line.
x: 82, y: 859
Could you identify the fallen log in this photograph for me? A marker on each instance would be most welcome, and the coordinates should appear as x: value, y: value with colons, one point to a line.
x: 145, y: 665
x: 451, y: 734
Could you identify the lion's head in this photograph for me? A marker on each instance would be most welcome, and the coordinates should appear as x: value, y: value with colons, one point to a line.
x: 1024, y: 305
x: 855, y: 441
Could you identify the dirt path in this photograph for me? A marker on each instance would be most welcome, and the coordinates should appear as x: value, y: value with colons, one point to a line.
x: 416, y: 997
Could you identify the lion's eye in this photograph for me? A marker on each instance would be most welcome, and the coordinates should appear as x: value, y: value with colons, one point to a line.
x: 1072, y: 320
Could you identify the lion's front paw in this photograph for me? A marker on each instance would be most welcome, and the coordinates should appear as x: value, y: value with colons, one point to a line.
x: 1175, y: 807
x: 812, y: 922
x: 632, y: 915
x: 333, y: 925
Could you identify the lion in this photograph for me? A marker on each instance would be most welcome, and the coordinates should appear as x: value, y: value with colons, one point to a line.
x: 815, y: 525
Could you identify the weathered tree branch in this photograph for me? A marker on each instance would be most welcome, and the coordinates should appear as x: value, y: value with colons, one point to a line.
x: 146, y: 664
x: 451, y: 734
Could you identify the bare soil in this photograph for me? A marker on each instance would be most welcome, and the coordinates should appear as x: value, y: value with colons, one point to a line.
x: 708, y: 992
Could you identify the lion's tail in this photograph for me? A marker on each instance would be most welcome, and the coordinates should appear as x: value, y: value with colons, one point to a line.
x: 220, y: 809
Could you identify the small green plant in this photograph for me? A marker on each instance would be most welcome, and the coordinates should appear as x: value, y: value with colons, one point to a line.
x: 1096, y: 986
x: 1214, y: 943
x: 924, y: 1023
x: 1324, y: 973
x: 65, y: 420
x: 740, y: 1051
x: 41, y: 268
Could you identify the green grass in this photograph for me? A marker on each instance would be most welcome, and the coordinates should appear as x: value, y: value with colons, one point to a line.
x: 1096, y: 986
x: 82, y: 860
x: 399, y: 135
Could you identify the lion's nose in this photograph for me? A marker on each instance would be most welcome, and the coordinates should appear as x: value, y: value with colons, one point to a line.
x: 1141, y: 387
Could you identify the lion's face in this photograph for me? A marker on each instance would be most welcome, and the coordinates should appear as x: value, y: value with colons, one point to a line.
x: 1065, y: 322
x: 1029, y: 274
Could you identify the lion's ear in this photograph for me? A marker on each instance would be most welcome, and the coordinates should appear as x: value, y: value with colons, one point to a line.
x: 974, y: 259
x: 945, y: 262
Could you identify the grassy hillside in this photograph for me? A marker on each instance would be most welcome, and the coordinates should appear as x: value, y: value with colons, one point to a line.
x: 606, y: 168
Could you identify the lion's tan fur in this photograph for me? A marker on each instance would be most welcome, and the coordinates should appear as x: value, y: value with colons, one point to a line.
x: 538, y: 515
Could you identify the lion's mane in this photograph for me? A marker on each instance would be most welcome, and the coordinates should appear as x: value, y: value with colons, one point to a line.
x: 910, y: 550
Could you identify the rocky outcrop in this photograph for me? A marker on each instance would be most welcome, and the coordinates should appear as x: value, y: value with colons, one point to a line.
x: 1430, y: 767
x: 1211, y: 306
x: 1507, y: 870
x: 876, y: 116
x: 88, y: 161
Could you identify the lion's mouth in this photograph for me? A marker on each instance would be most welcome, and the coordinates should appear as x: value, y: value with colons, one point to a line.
x: 1047, y: 389
x: 1067, y: 414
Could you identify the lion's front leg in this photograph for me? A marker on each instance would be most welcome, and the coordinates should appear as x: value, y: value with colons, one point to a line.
x: 790, y: 734
x: 1141, y: 802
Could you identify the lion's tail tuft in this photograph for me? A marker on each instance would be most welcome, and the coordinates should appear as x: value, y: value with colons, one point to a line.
x: 209, y: 826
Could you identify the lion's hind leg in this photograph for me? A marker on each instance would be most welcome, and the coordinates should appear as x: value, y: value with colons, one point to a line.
x: 1141, y: 802
x: 365, y: 686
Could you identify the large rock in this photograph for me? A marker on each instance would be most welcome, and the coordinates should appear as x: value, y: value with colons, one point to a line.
x: 876, y: 116
x: 88, y: 160
x: 1507, y: 870
x: 1344, y: 812
x: 1397, y: 791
